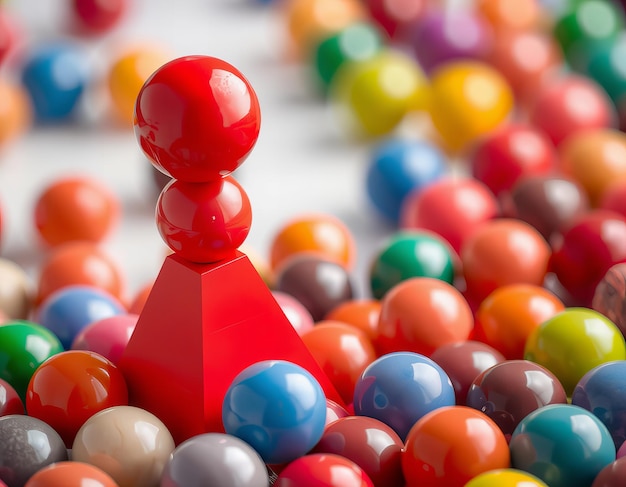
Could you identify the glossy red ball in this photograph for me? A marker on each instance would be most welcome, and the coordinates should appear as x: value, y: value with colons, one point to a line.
x: 204, y: 222
x: 197, y: 118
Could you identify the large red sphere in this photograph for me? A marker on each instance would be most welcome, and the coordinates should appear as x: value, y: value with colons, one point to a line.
x: 197, y: 118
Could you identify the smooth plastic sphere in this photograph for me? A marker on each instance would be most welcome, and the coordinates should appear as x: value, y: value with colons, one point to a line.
x: 127, y: 74
x: 318, y: 283
x: 411, y: 254
x: 98, y: 16
x: 573, y: 342
x: 394, y: 16
x: 504, y: 15
x: 508, y: 316
x: 604, y: 63
x: 253, y: 399
x: 398, y: 167
x: 24, y: 346
x: 315, y: 234
x: 510, y: 390
x: 505, y: 477
x: 28, y: 445
x: 372, y: 97
x: 602, y: 391
x: 342, y: 351
x: 503, y: 252
x: 10, y: 400
x: 422, y: 314
x: 468, y: 443
x: 294, y: 310
x: 70, y: 474
x: 197, y: 118
x: 547, y: 202
x: 107, y: 336
x: 399, y: 388
x: 55, y: 77
x: 613, y: 475
x: 70, y: 309
x: 444, y: 35
x: 463, y: 362
x: 16, y: 290
x: 215, y: 459
x: 334, y: 411
x: 468, y: 99
x: 509, y: 153
x: 79, y: 263
x: 563, y: 445
x: 360, y: 312
x: 452, y: 207
x: 70, y: 387
x: 369, y: 443
x: 16, y: 114
x: 569, y: 103
x: 204, y: 222
x: 325, y: 469
x: 594, y: 158
x: 589, y: 246
x: 610, y: 294
x: 128, y: 443
x: 75, y: 208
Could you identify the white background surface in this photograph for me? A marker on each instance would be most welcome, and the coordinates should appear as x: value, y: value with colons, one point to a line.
x: 301, y: 163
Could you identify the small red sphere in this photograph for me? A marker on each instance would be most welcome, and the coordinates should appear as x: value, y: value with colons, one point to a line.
x: 204, y: 222
x: 98, y: 16
x: 318, y: 469
x: 197, y: 118
x: 509, y: 153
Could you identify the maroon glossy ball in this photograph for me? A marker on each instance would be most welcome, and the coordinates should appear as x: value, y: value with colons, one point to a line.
x: 10, y: 401
x: 368, y: 442
x: 612, y: 475
x: 510, y: 390
x: 204, y: 222
x: 609, y: 297
x: 587, y: 249
x: 464, y: 361
x: 319, y: 284
x: 547, y: 202
x: 509, y: 153
x: 197, y: 118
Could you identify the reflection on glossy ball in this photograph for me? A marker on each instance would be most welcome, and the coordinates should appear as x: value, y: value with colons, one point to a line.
x: 319, y: 469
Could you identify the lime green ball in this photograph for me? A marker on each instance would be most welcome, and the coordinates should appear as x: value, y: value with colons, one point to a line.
x: 573, y: 342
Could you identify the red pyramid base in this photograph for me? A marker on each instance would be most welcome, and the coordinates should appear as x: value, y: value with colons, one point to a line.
x: 201, y: 325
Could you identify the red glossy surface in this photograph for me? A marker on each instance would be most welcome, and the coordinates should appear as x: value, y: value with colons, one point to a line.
x: 334, y: 411
x: 98, y: 16
x: 371, y: 444
x: 222, y: 327
x: 10, y: 401
x: 197, y: 118
x: 323, y: 469
x: 590, y: 245
x: 76, y: 208
x: 463, y: 362
x: 70, y: 474
x: 79, y: 262
x: 70, y: 387
x: 420, y: 315
x: 509, y: 153
x: 450, y: 207
x: 204, y: 222
x: 342, y: 351
x: 501, y: 252
x: 451, y: 445
x: 107, y: 336
x: 570, y: 103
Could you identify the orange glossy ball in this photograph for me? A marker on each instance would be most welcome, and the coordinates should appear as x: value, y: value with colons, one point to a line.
x: 71, y: 474
x: 420, y: 315
x: 16, y: 112
x: 507, y: 15
x: 502, y: 252
x: 321, y: 235
x: 75, y: 263
x: 75, y: 208
x: 508, y: 316
x: 596, y: 159
x: 362, y: 313
x: 343, y: 352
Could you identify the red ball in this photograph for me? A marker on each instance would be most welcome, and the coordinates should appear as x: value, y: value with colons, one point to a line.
x: 571, y: 103
x: 204, y: 222
x: 509, y: 153
x: 197, y: 118
x: 70, y: 387
x: 319, y: 469
x: 589, y: 247
x: 98, y: 16
x: 10, y: 400
x: 451, y: 207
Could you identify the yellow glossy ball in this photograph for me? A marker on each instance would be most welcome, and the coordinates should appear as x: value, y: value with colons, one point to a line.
x: 505, y: 477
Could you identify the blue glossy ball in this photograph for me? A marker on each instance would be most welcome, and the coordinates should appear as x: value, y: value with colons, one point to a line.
x: 399, y: 388
x: 278, y: 408
x: 398, y: 167
x: 602, y: 391
x: 55, y: 77
x: 70, y: 309
x: 562, y: 444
